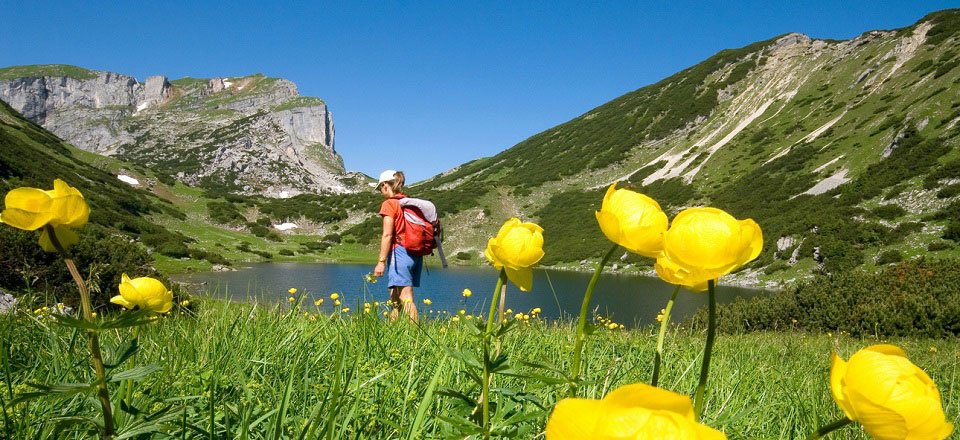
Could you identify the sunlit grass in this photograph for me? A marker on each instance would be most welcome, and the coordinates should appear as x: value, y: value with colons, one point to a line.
x: 229, y: 368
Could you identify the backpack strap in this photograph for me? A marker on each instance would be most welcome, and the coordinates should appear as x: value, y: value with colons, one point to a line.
x: 438, y: 238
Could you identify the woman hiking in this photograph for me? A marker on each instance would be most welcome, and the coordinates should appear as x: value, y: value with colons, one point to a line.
x: 402, y: 269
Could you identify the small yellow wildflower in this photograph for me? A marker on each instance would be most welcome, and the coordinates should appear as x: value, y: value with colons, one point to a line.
x: 345, y: 309
x: 469, y: 317
x: 427, y: 301
x: 370, y: 278
x: 518, y: 316
x: 509, y: 311
x: 318, y: 302
x: 293, y: 291
x: 336, y: 303
x: 334, y: 296
x: 536, y: 311
x: 366, y: 305
x: 290, y: 299
x: 462, y: 312
x: 455, y: 319
x: 467, y: 293
x: 612, y: 326
x: 185, y: 303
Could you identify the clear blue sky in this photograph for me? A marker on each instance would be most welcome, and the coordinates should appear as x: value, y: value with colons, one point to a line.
x: 426, y: 86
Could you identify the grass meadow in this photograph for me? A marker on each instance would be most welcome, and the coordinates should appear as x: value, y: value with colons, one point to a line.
x: 238, y: 370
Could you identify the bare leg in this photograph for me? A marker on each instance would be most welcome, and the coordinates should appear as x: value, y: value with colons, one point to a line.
x: 395, y: 303
x: 408, y: 304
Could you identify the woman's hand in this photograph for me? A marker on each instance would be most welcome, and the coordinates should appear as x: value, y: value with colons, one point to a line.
x: 378, y: 269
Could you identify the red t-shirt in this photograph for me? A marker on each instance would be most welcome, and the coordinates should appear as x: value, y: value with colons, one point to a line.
x: 391, y: 208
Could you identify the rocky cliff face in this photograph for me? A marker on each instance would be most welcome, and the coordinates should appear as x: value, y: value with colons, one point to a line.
x: 254, y: 134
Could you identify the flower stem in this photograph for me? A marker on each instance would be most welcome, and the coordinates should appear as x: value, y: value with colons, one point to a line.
x: 707, y: 349
x: 663, y: 331
x: 487, y: 375
x: 103, y: 395
x: 826, y: 429
x: 582, y: 322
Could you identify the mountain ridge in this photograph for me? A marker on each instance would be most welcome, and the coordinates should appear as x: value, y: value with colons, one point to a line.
x: 253, y: 134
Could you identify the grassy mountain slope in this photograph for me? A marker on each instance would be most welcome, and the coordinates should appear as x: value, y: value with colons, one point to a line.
x: 32, y: 156
x: 759, y: 131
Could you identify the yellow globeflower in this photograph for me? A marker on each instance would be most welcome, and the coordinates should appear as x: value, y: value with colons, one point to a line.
x: 345, y: 310
x: 144, y: 292
x: 467, y: 293
x: 63, y: 207
x: 517, y: 247
x: 633, y: 221
x: 334, y: 296
x: 890, y: 396
x: 637, y: 411
x: 704, y: 244
x: 427, y: 301
x: 293, y: 291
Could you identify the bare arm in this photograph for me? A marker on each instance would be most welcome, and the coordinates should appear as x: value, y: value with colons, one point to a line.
x: 386, y: 240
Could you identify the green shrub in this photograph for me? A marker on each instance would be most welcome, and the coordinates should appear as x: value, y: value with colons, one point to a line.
x: 100, y: 256
x: 259, y: 231
x: 464, y: 256
x: 889, y: 212
x: 174, y: 249
x: 214, y: 258
x: 939, y: 246
x: 889, y: 256
x: 274, y: 236
x: 286, y: 252
x: 952, y: 232
x: 225, y: 213
x: 918, y: 298
x: 949, y: 191
x: 777, y: 266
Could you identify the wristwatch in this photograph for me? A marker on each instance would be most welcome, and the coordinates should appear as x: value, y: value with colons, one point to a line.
x: 382, y: 260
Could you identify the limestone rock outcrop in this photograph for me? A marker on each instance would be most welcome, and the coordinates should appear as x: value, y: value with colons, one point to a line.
x: 253, y: 134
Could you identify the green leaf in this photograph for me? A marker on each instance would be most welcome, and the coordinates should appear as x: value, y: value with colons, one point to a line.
x: 129, y: 348
x: 499, y: 364
x: 505, y: 328
x: 69, y: 321
x: 62, y: 390
x: 450, y: 392
x: 135, y: 373
x: 427, y: 400
x: 469, y: 359
x: 590, y: 328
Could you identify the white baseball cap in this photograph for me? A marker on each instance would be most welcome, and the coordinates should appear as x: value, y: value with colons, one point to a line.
x: 386, y: 176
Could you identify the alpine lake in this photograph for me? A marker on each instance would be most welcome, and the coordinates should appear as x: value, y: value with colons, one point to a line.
x: 631, y: 300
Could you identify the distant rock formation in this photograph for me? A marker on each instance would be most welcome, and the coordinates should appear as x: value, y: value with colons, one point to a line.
x: 253, y: 134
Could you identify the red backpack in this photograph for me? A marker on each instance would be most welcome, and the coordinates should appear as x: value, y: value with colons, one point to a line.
x: 422, y: 232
